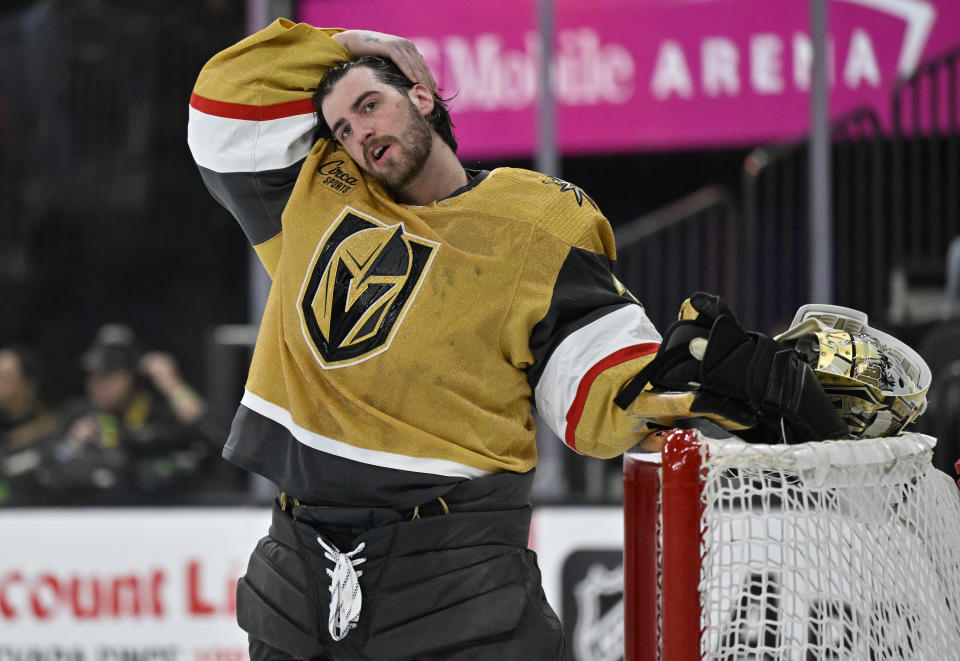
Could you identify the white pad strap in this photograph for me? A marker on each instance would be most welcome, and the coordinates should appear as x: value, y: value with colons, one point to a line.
x: 345, y: 596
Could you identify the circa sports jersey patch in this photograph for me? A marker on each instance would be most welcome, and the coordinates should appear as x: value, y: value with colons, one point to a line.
x: 336, y: 177
x: 362, y: 279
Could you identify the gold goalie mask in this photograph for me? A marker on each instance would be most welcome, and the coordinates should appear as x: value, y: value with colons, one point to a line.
x: 876, y: 382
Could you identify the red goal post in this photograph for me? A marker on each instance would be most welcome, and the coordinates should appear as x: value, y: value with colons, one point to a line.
x: 830, y: 550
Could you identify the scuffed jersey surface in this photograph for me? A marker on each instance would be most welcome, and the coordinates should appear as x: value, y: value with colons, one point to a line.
x: 401, y: 346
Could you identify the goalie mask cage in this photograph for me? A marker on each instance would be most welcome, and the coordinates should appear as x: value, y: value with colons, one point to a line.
x: 837, y: 550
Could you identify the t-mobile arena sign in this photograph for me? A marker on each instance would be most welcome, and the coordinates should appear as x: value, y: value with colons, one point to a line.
x: 635, y: 75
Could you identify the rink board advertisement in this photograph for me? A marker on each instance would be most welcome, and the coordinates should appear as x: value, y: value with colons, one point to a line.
x: 159, y: 584
x: 658, y: 74
x: 102, y: 585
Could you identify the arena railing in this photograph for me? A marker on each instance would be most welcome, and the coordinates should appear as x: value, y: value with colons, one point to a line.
x: 680, y: 248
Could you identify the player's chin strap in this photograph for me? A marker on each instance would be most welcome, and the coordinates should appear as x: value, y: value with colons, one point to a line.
x: 345, y: 595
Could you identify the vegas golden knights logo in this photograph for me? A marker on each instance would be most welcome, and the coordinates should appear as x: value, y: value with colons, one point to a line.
x: 363, y: 277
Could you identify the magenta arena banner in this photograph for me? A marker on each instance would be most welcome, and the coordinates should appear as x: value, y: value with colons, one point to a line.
x: 635, y: 75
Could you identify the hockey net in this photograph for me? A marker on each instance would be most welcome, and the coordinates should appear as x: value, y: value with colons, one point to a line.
x: 830, y: 550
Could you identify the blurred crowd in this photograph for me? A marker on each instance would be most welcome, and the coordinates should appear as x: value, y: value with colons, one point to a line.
x: 138, y: 433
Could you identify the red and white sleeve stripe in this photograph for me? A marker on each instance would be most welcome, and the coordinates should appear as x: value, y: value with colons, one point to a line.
x: 561, y: 393
x: 234, y: 137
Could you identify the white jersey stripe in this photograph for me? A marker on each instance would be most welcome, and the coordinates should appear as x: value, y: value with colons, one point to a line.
x: 346, y: 451
x: 581, y: 350
x: 223, y: 144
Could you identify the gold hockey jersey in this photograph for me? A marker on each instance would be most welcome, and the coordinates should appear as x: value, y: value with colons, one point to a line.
x: 401, y: 345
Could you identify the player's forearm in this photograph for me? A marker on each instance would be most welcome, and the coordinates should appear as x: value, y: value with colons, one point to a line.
x: 252, y: 120
x: 602, y: 429
x: 590, y: 422
x: 280, y: 63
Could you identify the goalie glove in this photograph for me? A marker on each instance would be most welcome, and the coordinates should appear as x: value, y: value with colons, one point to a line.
x: 745, y: 377
x: 675, y: 369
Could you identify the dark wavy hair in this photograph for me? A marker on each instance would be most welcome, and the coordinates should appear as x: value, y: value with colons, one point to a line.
x: 388, y: 73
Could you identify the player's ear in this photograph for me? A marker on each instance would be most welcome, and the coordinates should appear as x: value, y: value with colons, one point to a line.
x: 422, y: 97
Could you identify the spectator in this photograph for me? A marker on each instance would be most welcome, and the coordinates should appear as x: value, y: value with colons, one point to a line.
x: 141, y: 432
x: 24, y: 421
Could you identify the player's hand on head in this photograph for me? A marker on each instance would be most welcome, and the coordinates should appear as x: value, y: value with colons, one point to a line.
x: 403, y: 52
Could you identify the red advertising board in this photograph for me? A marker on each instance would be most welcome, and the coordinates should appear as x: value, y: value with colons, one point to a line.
x: 125, y: 583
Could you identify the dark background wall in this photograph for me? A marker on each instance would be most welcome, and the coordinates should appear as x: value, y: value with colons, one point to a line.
x: 104, y: 217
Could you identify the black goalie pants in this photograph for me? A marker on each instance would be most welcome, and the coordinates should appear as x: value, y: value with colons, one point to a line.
x: 457, y: 586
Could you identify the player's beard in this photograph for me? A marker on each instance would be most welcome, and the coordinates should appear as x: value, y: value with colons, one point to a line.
x: 411, y: 147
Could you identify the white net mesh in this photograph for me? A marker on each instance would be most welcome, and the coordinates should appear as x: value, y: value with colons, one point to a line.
x: 833, y: 550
